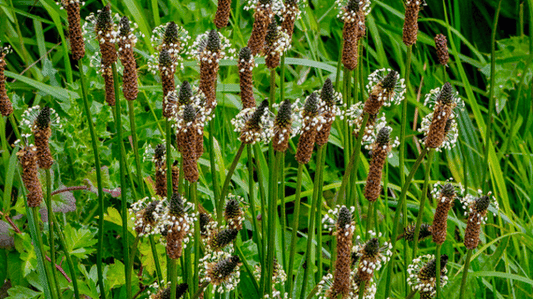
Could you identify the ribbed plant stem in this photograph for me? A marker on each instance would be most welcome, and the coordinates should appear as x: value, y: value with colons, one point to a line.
x: 197, y: 237
x: 173, y: 270
x: 311, y: 230
x: 403, y: 123
x: 429, y: 160
x: 47, y: 267
x: 283, y: 222
x: 272, y: 91
x: 437, y: 256
x: 318, y: 218
x: 282, y: 80
x: 223, y: 193
x: 124, y: 201
x: 14, y: 125
x: 168, y: 156
x: 362, y: 287
x: 490, y: 116
x: 396, y: 221
x: 156, y: 259
x: 101, y: 207
x: 48, y: 201
x: 369, y: 217
x: 272, y: 219
x: 295, y: 222
x: 70, y: 264
x: 465, y: 273
x: 212, y: 163
x: 354, y: 159
x: 140, y: 180
x: 262, y: 193
x: 256, y: 236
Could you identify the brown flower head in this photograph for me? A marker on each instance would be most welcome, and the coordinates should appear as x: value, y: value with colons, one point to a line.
x: 276, y: 43
x: 350, y: 34
x: 423, y: 274
x: 329, y: 99
x: 246, y: 66
x: 222, y: 238
x: 262, y: 18
x: 222, y: 14
x: 6, y: 108
x: 148, y: 212
x: 233, y: 213
x: 308, y: 134
x: 446, y: 197
x: 254, y: 124
x: 221, y: 270
x: 28, y: 160
x: 41, y: 135
x: 160, y: 170
x: 77, y: 44
x: 189, y: 128
x: 291, y: 14
x: 126, y: 43
x: 371, y: 256
x: 410, y: 25
x: 409, y: 232
x: 167, y: 71
x: 106, y: 35
x: 476, y: 208
x: 380, y: 150
x: 385, y: 88
x: 441, y: 45
x: 176, y: 224
x: 181, y: 289
x: 172, y: 38
x: 283, y: 127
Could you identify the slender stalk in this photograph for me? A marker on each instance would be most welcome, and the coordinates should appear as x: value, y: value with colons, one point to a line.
x: 490, y: 116
x: 197, y: 237
x: 422, y: 201
x: 403, y: 123
x: 369, y: 217
x: 272, y: 91
x: 14, y: 125
x: 47, y: 268
x: 70, y: 264
x: 354, y: 159
x: 282, y: 80
x: 362, y: 287
x: 51, y: 229
x: 439, y: 291
x: 224, y: 191
x: 212, y: 163
x: 281, y: 194
x: 156, y: 259
x: 272, y: 219
x: 396, y: 221
x: 413, y: 293
x: 200, y: 290
x: 311, y: 228
x: 140, y: 180
x: 297, y: 200
x: 173, y: 270
x: 124, y: 201
x: 257, y: 238
x: 318, y: 218
x: 101, y: 205
x: 262, y: 192
x: 168, y: 144
x: 465, y: 273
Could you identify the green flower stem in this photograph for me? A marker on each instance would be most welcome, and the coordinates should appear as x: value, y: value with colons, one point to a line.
x: 272, y: 219
x: 200, y: 290
x: 318, y: 218
x: 272, y: 91
x: 403, y: 123
x: 311, y: 230
x: 282, y: 80
x: 257, y: 238
x: 47, y: 267
x: 347, y: 145
x: 413, y: 293
x: 138, y: 166
x: 362, y: 287
x: 48, y: 201
x: 422, y: 201
x: 354, y: 159
x: 465, y: 273
x: 14, y: 125
x: 173, y: 271
x: 262, y: 192
x: 283, y: 222
x: 439, y: 291
x: 197, y: 237
x: 156, y: 259
x: 369, y: 217
x: 223, y: 193
x: 101, y: 205
x: 396, y: 221
x: 212, y: 163
x: 65, y: 248
x: 168, y: 156
x: 490, y: 115
x: 297, y: 200
x: 124, y: 201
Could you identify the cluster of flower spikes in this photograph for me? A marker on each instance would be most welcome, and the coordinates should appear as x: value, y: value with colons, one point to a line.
x: 147, y: 214
x: 341, y: 220
x: 6, y: 108
x: 423, y: 275
x: 385, y: 88
x: 254, y: 124
x: 439, y: 127
x: 176, y: 225
x: 264, y: 13
x: 126, y: 44
x: 476, y: 208
x: 292, y: 12
x: 77, y: 43
x: 311, y: 120
x: 221, y: 269
x: 222, y: 237
x: 352, y: 13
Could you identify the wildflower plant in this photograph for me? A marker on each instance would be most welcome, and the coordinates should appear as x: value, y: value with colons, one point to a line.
x: 147, y: 215
x: 246, y: 64
x: 422, y: 274
x: 77, y: 43
x: 254, y: 124
x: 330, y: 107
x: 265, y: 10
x: 445, y: 194
x: 371, y: 255
x: 277, y: 42
x: 221, y: 269
x: 291, y: 13
x: 286, y: 124
x: 127, y: 38
x: 476, y: 209
x: 6, y: 108
x: 172, y: 38
x: 385, y: 88
x: 352, y: 13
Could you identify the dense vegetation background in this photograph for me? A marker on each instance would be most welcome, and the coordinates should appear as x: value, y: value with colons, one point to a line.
x: 40, y: 72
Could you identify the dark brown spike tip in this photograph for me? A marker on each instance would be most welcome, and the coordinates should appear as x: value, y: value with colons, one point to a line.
x: 185, y: 93
x: 125, y: 27
x: 311, y: 104
x: 352, y: 6
x: 104, y: 19
x: 189, y: 113
x: 159, y: 151
x: 482, y: 204
x: 164, y: 58
x: 383, y: 136
x: 344, y: 218
x: 372, y: 247
x: 171, y: 34
x: 245, y: 54
x: 390, y: 80
x: 328, y: 93
x: 213, y: 41
x: 448, y: 190
x: 446, y: 94
x: 43, y: 118
x: 284, y: 114
x: 176, y: 206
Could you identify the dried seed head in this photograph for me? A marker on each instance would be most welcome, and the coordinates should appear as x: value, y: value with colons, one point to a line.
x: 448, y: 190
x: 352, y: 5
x: 345, y: 217
x: 410, y: 25
x: 232, y: 209
x: 440, y: 219
x: 6, y: 108
x: 204, y: 221
x: 223, y: 238
x: 284, y: 117
x: 222, y: 270
x: 185, y: 93
x: 441, y: 44
x: 246, y: 65
x: 176, y: 206
x: 222, y: 14
x: 292, y: 13
x: 148, y: 215
x: 43, y: 118
x: 171, y: 35
x: 213, y: 41
x: 409, y: 232
x: 74, y: 26
x: 262, y: 18
x: 28, y: 160
x: 126, y: 43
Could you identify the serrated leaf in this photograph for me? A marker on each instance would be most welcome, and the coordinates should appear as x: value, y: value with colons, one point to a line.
x: 80, y: 241
x: 20, y: 292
